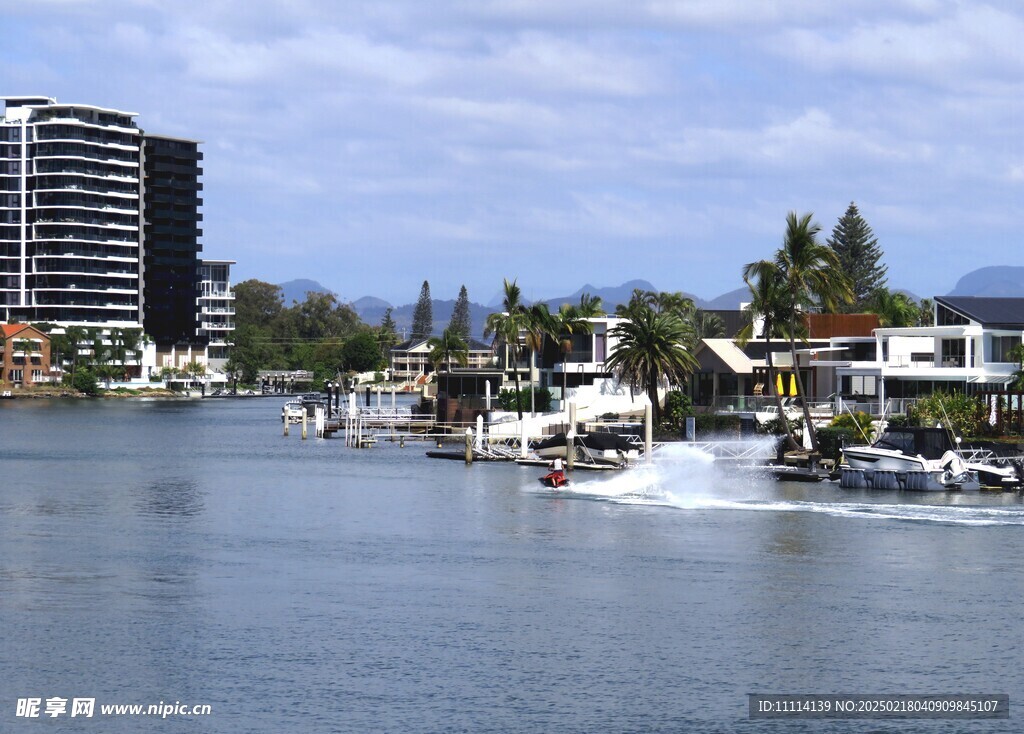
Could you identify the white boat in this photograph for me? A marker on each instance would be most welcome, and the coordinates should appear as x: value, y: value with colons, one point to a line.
x: 908, y: 458
x: 293, y: 411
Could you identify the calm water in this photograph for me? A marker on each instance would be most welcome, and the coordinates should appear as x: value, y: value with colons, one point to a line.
x: 186, y: 551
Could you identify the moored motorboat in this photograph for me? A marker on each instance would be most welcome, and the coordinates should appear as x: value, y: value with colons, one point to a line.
x: 910, y: 458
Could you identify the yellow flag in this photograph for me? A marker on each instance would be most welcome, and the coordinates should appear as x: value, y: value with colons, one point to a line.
x: 792, y: 385
x: 778, y: 384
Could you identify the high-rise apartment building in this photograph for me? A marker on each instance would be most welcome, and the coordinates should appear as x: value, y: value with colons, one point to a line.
x: 99, y: 226
x: 171, y: 265
x: 71, y: 214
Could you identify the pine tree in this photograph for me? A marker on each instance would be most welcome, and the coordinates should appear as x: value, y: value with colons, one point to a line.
x: 423, y: 315
x: 387, y: 333
x: 859, y: 256
x: 461, y: 324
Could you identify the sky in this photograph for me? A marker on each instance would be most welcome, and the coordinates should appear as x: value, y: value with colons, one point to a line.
x: 372, y: 145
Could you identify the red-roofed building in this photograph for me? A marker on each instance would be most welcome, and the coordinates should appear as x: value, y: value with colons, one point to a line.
x: 24, y: 355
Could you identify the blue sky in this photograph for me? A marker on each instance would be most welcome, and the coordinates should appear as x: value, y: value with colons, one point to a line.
x: 371, y: 145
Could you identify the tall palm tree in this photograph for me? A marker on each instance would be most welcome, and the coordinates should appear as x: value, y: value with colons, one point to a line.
x: 767, y: 304
x: 505, y: 327
x: 445, y: 348
x: 570, y: 320
x: 650, y: 346
x: 75, y: 335
x: 809, y: 274
x: 540, y: 323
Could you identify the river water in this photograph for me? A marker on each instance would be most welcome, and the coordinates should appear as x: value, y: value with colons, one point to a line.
x: 163, y: 551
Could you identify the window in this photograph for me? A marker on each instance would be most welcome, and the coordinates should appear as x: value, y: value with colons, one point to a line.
x: 948, y: 317
x: 953, y: 352
x: 860, y: 385
x: 1002, y: 348
x: 15, y: 375
x: 37, y: 375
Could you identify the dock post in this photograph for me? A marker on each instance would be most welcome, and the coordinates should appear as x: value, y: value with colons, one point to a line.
x: 570, y: 450
x: 487, y: 395
x: 469, y: 445
x: 648, y: 432
x: 286, y: 419
x: 523, y: 449
x: 394, y: 405
x: 303, y: 423
x: 480, y: 432
x: 378, y: 399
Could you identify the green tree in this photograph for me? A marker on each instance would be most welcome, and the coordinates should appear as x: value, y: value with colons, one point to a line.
x: 539, y: 325
x: 85, y: 382
x: 706, y: 325
x: 387, y: 333
x: 361, y: 352
x: 893, y: 308
x: 447, y: 347
x: 257, y: 303
x: 423, y: 314
x: 1017, y: 353
x: 505, y: 327
x: 767, y: 306
x: 926, y: 313
x: 809, y: 274
x: 461, y: 322
x: 570, y: 320
x: 859, y: 256
x: 651, y: 346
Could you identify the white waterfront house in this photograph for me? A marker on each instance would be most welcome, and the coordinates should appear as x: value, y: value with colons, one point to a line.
x: 969, y: 350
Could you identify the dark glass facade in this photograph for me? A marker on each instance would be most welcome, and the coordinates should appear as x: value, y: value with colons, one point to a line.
x: 171, y: 240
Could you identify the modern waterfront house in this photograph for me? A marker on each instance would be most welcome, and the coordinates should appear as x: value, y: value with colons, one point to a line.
x: 969, y: 350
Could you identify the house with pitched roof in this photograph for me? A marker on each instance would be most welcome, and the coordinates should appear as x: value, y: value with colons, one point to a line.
x: 24, y: 355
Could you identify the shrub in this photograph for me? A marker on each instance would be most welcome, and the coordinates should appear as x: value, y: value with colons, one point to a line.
x: 856, y: 423
x: 967, y: 415
x: 541, y: 399
x: 899, y: 421
x: 832, y: 438
x: 709, y: 423
x: 85, y: 382
x: 775, y: 426
x: 677, y: 407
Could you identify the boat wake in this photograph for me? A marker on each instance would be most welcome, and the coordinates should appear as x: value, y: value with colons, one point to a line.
x: 686, y: 478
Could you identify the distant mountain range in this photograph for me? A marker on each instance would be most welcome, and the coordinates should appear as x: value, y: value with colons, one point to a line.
x: 999, y: 281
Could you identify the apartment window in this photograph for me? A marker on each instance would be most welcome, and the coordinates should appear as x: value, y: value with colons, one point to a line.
x: 15, y: 375
x: 37, y: 375
x: 1002, y: 348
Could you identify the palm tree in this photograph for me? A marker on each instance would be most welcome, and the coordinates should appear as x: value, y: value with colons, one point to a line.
x: 572, y: 320
x: 1017, y: 353
x: 650, y: 346
x: 766, y: 304
x: 809, y: 275
x: 75, y: 336
x: 893, y: 308
x: 505, y: 327
x: 445, y: 348
x: 539, y: 324
x: 706, y: 325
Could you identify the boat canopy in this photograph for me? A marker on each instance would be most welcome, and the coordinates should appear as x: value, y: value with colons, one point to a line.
x: 931, y: 443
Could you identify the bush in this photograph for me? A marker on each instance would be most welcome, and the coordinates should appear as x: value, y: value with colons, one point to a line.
x: 541, y: 399
x: 832, y: 438
x: 711, y: 424
x: 677, y: 407
x: 968, y: 415
x: 899, y: 421
x: 85, y: 382
x: 856, y: 423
